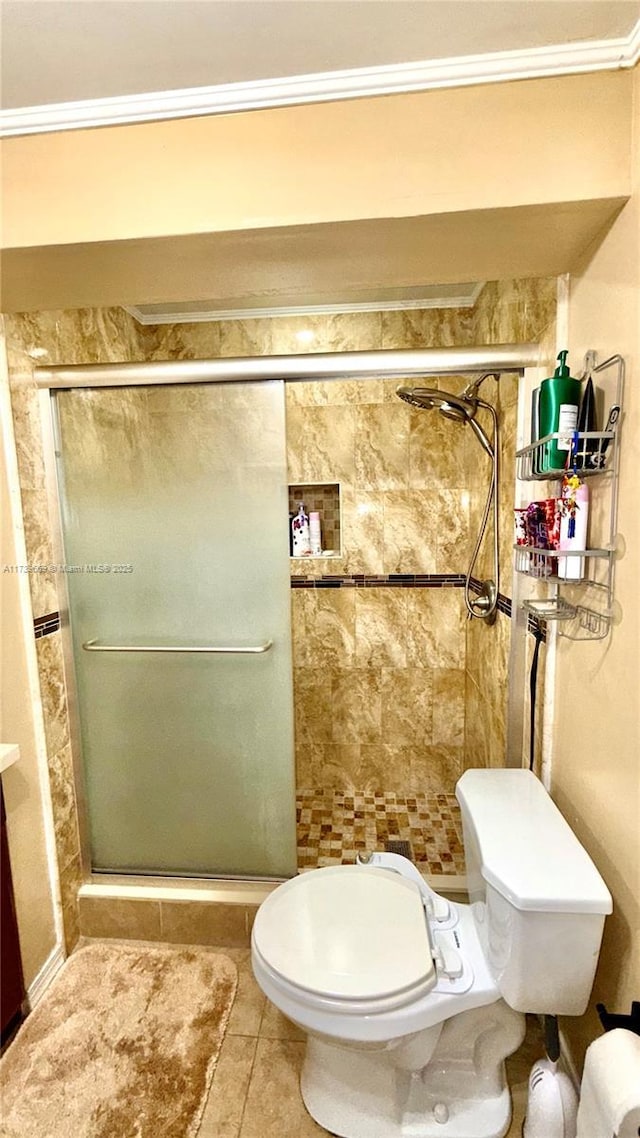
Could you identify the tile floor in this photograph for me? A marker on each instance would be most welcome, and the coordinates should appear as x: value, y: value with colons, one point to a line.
x: 255, y: 1091
x: 333, y: 827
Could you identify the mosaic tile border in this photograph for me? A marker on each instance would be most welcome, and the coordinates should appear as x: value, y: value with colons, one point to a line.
x: 45, y: 625
x: 382, y: 580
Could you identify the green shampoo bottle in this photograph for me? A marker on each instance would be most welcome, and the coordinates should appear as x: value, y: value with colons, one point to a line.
x: 558, y: 414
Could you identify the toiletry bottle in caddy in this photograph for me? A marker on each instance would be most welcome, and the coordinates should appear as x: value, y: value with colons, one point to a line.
x: 558, y: 406
x: 574, y: 509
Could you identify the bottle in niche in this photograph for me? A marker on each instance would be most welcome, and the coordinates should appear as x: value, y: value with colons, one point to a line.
x: 315, y: 533
x: 300, y: 533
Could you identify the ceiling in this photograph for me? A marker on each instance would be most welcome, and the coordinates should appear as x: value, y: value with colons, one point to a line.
x: 59, y: 51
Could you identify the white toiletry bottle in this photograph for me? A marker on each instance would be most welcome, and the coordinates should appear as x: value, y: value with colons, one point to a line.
x: 572, y: 568
x: 315, y: 533
x: 301, y: 536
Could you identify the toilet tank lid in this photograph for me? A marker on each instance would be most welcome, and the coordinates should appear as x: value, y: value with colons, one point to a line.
x: 528, y: 852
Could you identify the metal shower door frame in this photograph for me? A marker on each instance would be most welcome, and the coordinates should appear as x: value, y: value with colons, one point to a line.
x: 328, y: 366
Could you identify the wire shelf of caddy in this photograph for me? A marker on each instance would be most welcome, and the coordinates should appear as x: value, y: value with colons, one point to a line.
x: 593, y: 455
x: 557, y: 565
x: 577, y: 622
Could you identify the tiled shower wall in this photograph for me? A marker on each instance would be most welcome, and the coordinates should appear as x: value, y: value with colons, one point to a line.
x: 506, y: 312
x: 41, y: 338
x: 385, y: 677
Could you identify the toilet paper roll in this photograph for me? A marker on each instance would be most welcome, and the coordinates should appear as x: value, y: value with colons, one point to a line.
x: 610, y: 1091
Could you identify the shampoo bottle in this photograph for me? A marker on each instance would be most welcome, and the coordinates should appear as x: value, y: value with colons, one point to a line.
x: 558, y: 414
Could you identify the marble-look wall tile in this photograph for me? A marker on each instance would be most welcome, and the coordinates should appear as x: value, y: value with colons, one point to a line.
x: 381, y: 447
x: 387, y: 767
x: 437, y: 452
x: 407, y: 706
x: 427, y: 328
x: 355, y: 705
x: 309, y: 759
x: 43, y: 585
x: 485, y: 731
x: 312, y: 696
x: 188, y: 341
x: 341, y: 767
x: 65, y: 811
x: 306, y: 393
x: 363, y: 531
x: 196, y: 922
x: 70, y: 881
x: 448, y: 706
x: 381, y: 627
x: 32, y: 333
x: 117, y: 917
x: 435, y: 767
x: 436, y: 625
x: 481, y: 646
x: 411, y: 531
x: 71, y: 926
x: 53, y: 692
x: 323, y: 628
x: 328, y: 437
x: 25, y: 408
x: 453, y: 548
x: 246, y: 337
x: 337, y: 332
x: 514, y: 311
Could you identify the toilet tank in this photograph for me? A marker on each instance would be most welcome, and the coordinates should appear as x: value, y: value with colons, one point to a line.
x: 538, y: 901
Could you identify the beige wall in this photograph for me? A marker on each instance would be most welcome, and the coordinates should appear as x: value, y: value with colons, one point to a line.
x: 542, y: 140
x: 596, y: 739
x: 25, y: 791
x: 319, y: 203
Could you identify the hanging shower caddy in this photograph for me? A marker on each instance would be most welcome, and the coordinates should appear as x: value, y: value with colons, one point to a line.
x: 597, y: 455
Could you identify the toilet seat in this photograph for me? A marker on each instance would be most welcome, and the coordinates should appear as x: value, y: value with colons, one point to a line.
x: 349, y: 938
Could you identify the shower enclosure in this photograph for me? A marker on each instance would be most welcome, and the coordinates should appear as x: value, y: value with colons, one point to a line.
x: 170, y: 482
x: 174, y: 513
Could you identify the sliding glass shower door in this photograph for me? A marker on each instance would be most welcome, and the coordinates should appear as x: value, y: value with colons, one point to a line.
x: 174, y: 511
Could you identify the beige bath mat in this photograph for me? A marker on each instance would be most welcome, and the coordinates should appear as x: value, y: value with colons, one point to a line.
x: 123, y: 1045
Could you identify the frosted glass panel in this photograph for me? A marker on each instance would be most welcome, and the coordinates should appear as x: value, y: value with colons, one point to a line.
x: 175, y: 509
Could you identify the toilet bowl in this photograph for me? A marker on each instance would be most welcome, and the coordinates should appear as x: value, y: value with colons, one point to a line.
x: 411, y: 1002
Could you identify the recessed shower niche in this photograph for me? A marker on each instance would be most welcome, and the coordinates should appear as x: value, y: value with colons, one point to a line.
x: 322, y: 498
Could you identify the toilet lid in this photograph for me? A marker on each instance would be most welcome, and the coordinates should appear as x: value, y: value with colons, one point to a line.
x: 347, y: 932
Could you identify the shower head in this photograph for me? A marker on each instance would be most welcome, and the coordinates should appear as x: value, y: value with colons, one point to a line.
x: 460, y: 408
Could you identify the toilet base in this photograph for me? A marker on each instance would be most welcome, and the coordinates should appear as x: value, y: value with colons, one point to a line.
x: 460, y: 1093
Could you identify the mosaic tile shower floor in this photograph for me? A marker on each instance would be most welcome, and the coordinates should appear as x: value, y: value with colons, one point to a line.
x: 333, y: 827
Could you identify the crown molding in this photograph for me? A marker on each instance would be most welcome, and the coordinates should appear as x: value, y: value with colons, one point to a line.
x: 208, y: 315
x: 358, y: 83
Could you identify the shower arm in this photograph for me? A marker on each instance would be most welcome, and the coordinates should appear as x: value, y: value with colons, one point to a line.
x: 471, y: 390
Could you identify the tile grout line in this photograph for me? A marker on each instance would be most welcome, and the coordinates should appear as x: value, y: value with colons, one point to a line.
x: 250, y: 1079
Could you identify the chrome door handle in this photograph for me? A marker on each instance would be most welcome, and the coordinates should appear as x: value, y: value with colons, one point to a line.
x: 221, y: 649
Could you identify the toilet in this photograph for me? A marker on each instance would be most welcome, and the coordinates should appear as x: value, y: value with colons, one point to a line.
x: 412, y: 1002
